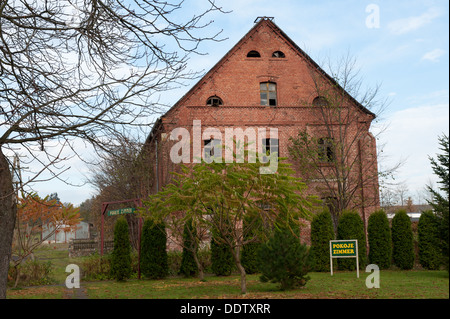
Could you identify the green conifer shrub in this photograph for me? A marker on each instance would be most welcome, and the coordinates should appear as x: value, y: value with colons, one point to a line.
x: 430, y: 253
x: 121, y: 255
x: 380, y: 240
x: 321, y: 233
x: 188, y: 266
x: 154, y: 261
x: 402, y: 241
x: 222, y: 262
x: 283, y: 259
x: 351, y: 226
x: 249, y: 258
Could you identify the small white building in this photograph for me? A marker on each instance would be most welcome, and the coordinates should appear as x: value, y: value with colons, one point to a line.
x: 413, y: 216
x: 82, y: 231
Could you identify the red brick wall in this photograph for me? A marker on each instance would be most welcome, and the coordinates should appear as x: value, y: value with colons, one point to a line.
x: 236, y: 78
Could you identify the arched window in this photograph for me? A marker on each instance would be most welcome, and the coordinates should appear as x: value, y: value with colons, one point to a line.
x: 268, y: 93
x: 278, y: 54
x: 320, y: 101
x: 214, y: 101
x: 253, y: 54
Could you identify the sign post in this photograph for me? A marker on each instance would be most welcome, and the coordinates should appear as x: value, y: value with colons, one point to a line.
x: 344, y: 249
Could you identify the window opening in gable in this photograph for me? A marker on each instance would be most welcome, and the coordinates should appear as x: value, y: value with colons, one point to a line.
x: 253, y: 54
x: 320, y: 101
x: 268, y: 93
x: 214, y: 101
x: 278, y: 54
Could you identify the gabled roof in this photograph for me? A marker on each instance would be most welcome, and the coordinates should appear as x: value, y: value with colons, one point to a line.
x: 258, y: 23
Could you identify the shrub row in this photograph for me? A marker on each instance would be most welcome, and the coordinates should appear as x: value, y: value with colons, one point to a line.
x: 387, y: 244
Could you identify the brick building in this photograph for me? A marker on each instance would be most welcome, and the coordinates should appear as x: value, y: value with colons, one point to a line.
x: 267, y: 81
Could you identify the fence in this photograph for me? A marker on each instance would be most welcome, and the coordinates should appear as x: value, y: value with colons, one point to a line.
x: 85, y: 247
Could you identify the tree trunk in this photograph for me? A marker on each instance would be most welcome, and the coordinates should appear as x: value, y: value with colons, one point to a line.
x: 237, y: 259
x: 201, y: 274
x: 8, y: 212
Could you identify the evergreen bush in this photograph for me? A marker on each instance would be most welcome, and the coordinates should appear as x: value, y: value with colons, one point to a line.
x: 430, y: 253
x: 283, y: 259
x: 402, y: 241
x: 188, y: 266
x: 154, y: 264
x: 222, y: 262
x: 249, y: 259
x: 121, y: 255
x: 351, y: 226
x: 380, y: 240
x: 321, y: 233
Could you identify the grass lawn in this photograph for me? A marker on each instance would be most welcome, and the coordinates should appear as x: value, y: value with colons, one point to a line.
x: 342, y: 285
x: 394, y: 284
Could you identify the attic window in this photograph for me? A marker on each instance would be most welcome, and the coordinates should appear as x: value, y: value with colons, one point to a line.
x: 253, y: 54
x: 278, y: 54
x: 320, y: 101
x: 214, y: 101
x: 268, y: 93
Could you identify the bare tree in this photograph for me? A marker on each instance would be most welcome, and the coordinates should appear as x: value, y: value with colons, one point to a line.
x: 336, y: 153
x: 402, y: 192
x: 83, y: 69
x: 123, y: 173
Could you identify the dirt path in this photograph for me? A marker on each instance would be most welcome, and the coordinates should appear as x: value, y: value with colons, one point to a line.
x: 76, y: 293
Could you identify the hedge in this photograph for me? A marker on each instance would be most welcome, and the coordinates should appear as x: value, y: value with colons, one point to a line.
x: 380, y: 240
x: 351, y: 226
x: 322, y: 231
x: 402, y: 241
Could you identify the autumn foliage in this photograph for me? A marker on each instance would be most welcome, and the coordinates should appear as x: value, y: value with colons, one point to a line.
x: 35, y: 214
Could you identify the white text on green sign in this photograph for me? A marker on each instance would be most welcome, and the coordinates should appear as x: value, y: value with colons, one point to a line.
x: 121, y: 211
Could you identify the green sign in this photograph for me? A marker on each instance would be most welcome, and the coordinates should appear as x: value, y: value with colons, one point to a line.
x: 121, y: 211
x: 343, y: 248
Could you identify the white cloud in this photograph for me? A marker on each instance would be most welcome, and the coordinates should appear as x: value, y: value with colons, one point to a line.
x: 412, y: 136
x: 405, y: 25
x: 434, y: 55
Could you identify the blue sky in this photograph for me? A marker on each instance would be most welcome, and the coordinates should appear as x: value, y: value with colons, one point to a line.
x: 407, y: 53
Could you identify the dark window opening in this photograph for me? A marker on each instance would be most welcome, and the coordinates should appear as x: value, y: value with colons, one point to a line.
x: 214, y: 101
x: 326, y: 150
x: 278, y: 54
x: 253, y: 54
x: 270, y: 145
x: 320, y: 101
x: 212, y: 148
x: 268, y: 93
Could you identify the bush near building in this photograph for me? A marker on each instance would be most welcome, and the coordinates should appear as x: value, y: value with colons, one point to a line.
x: 402, y: 241
x: 249, y: 258
x: 283, y: 259
x: 222, y: 262
x: 380, y: 240
x: 121, y: 255
x: 321, y: 233
x: 351, y: 226
x: 154, y: 263
x: 188, y: 266
x: 430, y: 253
